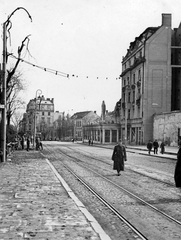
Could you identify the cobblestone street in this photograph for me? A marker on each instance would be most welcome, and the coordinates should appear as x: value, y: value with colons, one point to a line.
x: 35, y: 205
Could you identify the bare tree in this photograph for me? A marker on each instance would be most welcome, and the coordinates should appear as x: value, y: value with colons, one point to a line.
x: 13, y: 81
x: 14, y: 102
x: 16, y: 119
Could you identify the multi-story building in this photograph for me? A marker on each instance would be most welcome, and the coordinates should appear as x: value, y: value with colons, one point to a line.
x: 176, y: 69
x: 80, y: 119
x: 104, y: 129
x: 43, y: 110
x: 146, y: 81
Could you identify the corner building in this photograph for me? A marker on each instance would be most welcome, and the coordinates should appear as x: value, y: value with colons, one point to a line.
x: 42, y: 109
x: 146, y: 82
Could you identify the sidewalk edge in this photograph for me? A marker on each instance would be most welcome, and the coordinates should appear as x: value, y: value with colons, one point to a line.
x: 95, y: 225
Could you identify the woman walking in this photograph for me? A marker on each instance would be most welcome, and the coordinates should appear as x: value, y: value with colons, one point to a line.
x: 119, y: 156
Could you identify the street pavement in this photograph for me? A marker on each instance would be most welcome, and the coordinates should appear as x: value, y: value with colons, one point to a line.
x: 170, y: 152
x: 36, y: 203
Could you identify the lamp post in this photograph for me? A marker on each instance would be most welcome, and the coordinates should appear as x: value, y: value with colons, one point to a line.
x: 34, y: 138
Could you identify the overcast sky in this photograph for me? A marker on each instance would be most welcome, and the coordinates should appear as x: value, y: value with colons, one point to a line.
x: 83, y: 38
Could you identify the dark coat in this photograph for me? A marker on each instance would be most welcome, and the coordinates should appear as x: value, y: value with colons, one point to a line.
x: 155, y: 144
x: 149, y: 146
x: 119, y: 156
x: 177, y: 174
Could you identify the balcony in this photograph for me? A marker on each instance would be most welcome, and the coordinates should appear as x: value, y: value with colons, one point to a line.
x: 138, y: 102
x: 137, y: 61
x: 138, y: 83
x: 133, y: 86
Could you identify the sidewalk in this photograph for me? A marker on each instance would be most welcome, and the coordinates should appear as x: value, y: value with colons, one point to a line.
x: 36, y: 203
x: 170, y: 152
x: 168, y: 149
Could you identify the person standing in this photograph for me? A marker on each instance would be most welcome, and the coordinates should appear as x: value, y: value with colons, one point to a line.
x: 149, y: 146
x: 22, y: 142
x: 162, y: 146
x: 28, y: 143
x: 119, y: 156
x: 177, y: 173
x: 155, y: 146
x: 41, y: 145
x: 37, y: 143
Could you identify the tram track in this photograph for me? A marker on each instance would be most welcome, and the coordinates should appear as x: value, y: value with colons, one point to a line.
x: 117, y: 212
x: 128, y: 169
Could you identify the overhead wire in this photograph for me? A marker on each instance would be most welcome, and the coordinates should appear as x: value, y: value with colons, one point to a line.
x: 56, y: 72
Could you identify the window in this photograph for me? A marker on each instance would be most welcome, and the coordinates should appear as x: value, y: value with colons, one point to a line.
x: 107, y: 135
x: 139, y: 75
x: 133, y: 96
x: 128, y: 113
x: 43, y: 113
x: 48, y: 113
x: 78, y: 123
x: 114, y: 135
x: 124, y: 97
x: 134, y: 77
x: 129, y: 97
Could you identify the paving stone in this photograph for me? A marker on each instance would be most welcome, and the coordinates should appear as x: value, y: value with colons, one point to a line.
x: 34, y: 204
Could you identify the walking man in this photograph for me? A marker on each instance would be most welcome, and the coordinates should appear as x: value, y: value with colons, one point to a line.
x: 155, y: 146
x: 149, y: 146
x: 119, y: 156
x: 162, y: 146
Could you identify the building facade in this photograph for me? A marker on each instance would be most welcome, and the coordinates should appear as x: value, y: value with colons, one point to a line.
x: 167, y: 127
x: 40, y: 114
x: 104, y: 129
x: 81, y: 119
x: 146, y: 82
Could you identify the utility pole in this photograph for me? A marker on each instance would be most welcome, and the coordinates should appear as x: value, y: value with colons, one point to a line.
x: 3, y: 100
x: 3, y: 104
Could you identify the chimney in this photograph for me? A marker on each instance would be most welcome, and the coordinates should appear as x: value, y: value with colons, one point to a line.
x: 166, y: 19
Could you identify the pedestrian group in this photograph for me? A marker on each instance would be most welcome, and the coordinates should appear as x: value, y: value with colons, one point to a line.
x: 155, y: 147
x: 119, y: 157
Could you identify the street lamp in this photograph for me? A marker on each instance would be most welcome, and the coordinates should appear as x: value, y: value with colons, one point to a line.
x: 34, y: 138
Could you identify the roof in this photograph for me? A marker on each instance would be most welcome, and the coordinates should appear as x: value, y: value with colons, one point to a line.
x: 144, y: 36
x: 80, y: 114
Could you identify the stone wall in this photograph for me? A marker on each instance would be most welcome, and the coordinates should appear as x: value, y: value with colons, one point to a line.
x: 167, y: 127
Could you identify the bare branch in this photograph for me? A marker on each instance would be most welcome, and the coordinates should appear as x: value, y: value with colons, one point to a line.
x: 12, y: 72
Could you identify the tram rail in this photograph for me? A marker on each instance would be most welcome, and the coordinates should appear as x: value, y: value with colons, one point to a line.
x: 113, y: 209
